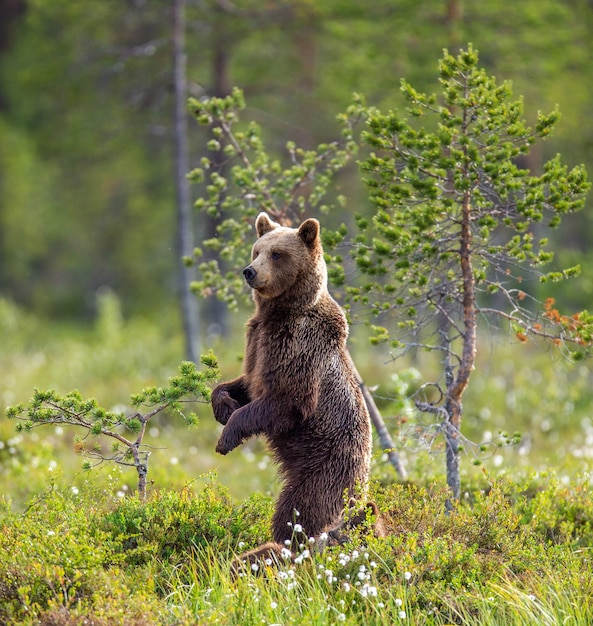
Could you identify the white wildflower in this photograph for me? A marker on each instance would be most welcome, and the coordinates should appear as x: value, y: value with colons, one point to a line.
x: 285, y: 553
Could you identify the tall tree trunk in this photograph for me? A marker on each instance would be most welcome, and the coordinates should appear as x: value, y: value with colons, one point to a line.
x: 454, y: 20
x: 185, y: 236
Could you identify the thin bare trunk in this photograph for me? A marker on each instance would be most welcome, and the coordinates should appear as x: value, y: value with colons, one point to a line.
x: 141, y: 465
x: 185, y: 237
x: 385, y: 440
x: 457, y: 387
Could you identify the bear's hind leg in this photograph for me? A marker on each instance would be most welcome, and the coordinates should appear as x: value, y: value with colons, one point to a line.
x: 303, y: 512
x: 257, y: 561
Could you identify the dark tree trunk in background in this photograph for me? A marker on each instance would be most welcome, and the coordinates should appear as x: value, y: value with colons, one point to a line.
x: 185, y: 236
x: 215, y: 312
x: 454, y: 18
x: 10, y: 12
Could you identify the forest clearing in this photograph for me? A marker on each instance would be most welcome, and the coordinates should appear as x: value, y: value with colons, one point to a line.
x: 438, y: 152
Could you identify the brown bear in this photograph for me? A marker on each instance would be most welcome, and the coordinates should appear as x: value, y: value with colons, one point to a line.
x: 298, y: 388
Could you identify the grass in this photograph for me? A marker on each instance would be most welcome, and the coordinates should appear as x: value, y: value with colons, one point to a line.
x: 78, y: 547
x: 82, y: 553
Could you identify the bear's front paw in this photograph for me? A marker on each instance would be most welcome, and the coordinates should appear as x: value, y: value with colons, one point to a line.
x: 226, y: 443
x: 223, y: 406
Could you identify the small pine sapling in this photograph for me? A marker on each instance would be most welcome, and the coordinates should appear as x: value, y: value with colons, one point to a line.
x: 126, y: 431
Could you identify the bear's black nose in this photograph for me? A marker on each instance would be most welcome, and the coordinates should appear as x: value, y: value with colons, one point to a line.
x: 249, y: 273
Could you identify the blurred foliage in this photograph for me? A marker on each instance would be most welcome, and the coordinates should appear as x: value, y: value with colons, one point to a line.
x: 86, y: 194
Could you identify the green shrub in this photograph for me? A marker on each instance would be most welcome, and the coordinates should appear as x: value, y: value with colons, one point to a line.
x: 173, y: 523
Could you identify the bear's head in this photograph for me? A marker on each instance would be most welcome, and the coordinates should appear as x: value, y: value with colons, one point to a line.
x: 286, y: 262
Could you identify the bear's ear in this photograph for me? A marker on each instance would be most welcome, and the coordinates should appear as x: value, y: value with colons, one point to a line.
x: 309, y: 231
x: 263, y: 224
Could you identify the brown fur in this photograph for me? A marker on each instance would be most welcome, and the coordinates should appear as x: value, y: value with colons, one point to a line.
x: 298, y: 388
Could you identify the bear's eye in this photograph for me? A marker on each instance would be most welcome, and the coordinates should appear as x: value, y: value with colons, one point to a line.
x: 255, y: 255
x: 276, y: 256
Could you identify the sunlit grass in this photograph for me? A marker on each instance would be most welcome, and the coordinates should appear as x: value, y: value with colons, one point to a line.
x: 337, y: 588
x: 544, y: 598
x: 85, y: 550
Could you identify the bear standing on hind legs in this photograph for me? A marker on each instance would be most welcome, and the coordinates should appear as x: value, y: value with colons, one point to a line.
x: 298, y: 388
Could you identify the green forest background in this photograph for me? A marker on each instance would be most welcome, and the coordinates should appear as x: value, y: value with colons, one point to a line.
x: 88, y: 245
x: 87, y: 196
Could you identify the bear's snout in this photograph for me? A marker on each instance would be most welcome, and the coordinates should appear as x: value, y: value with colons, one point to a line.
x: 249, y: 274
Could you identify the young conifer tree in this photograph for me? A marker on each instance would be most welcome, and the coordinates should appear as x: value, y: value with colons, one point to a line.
x: 459, y: 229
x: 126, y: 432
